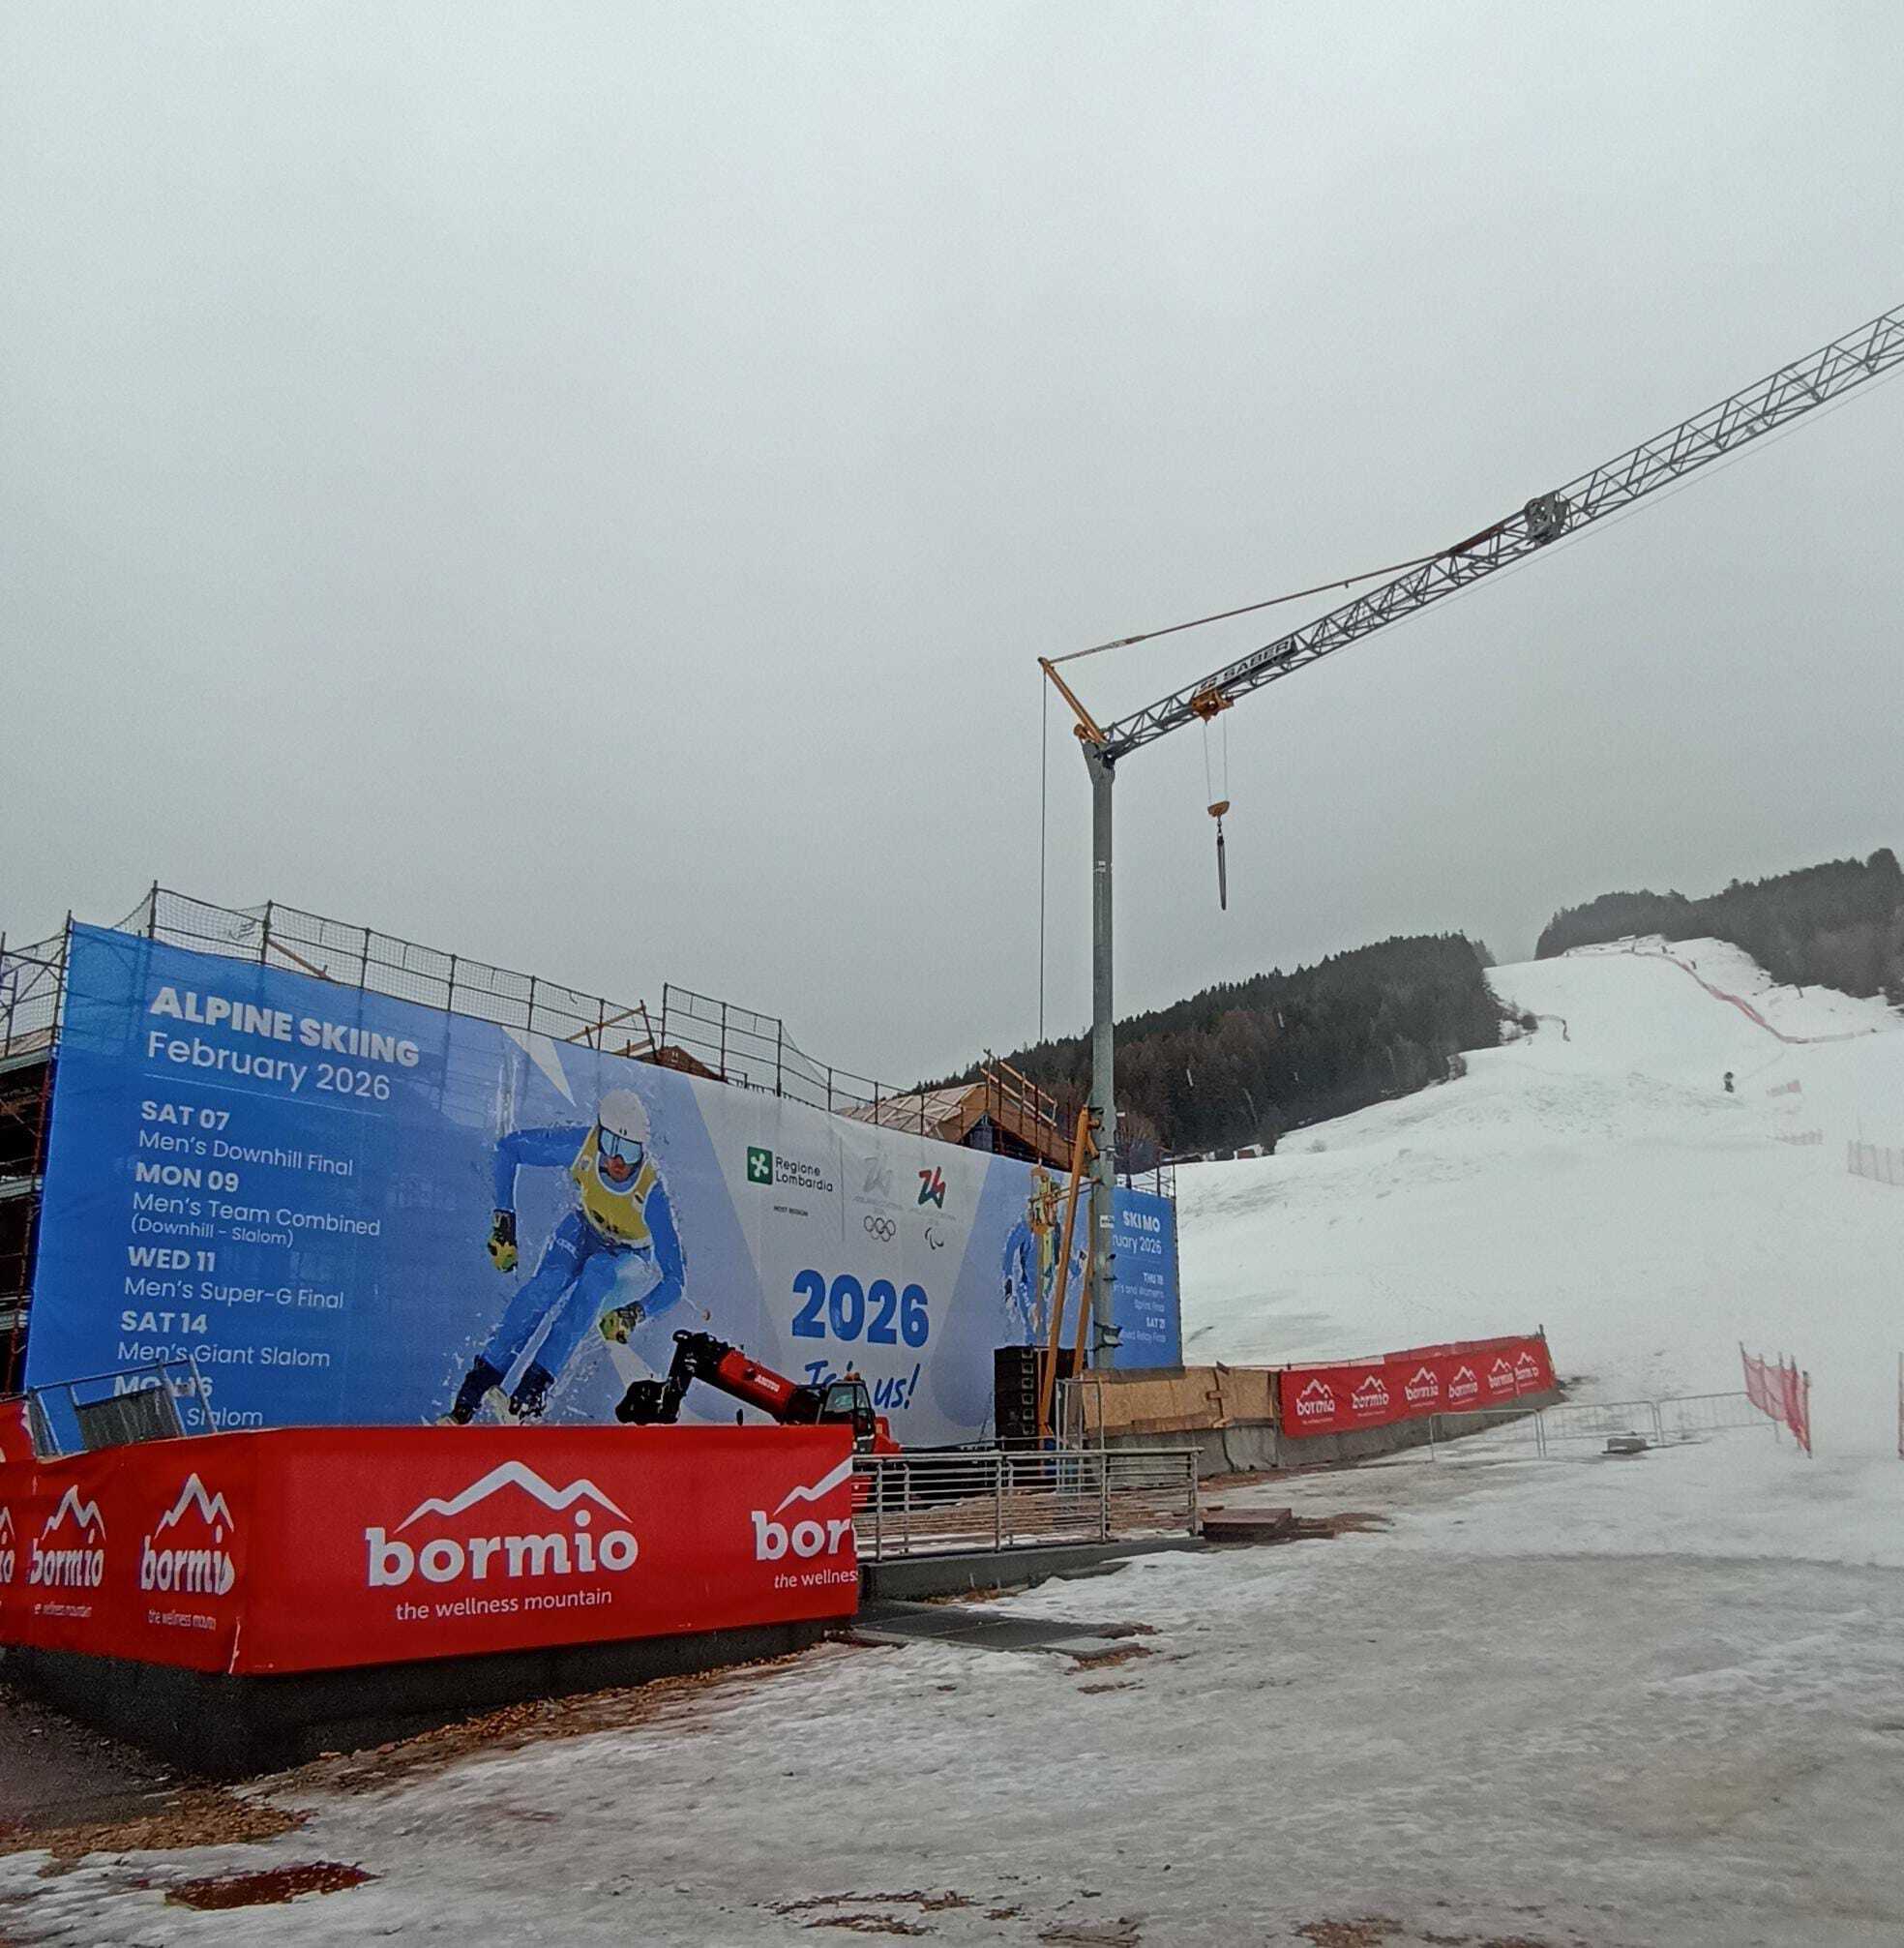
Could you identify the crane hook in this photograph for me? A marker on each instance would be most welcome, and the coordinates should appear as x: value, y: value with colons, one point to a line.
x: 1217, y: 812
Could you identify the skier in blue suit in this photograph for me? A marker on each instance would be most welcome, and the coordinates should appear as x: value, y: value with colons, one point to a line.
x: 620, y: 1234
x: 1031, y: 1254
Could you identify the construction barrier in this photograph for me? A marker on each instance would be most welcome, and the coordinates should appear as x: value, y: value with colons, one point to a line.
x: 1881, y: 1166
x: 311, y: 1548
x: 1465, y: 1376
x: 1779, y: 1390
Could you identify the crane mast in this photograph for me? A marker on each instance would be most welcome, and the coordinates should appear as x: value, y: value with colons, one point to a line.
x: 1735, y: 422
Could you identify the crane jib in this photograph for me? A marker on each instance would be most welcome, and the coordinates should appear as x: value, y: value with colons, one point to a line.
x: 1760, y: 408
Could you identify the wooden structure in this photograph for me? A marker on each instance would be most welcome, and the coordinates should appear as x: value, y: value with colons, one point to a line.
x: 1003, y: 1112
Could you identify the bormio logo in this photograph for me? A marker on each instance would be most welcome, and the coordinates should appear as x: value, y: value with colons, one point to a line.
x: 805, y: 1538
x: 577, y: 1552
x: 1500, y: 1378
x: 1371, y: 1397
x: 1464, y: 1386
x: 1421, y: 1386
x: 1527, y: 1369
x: 760, y: 1165
x: 9, y: 1546
x: 1315, y: 1398
x: 932, y: 1186
x: 194, y: 1561
x: 76, y: 1560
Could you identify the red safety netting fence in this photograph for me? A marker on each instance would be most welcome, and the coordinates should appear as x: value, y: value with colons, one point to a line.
x: 1778, y: 1390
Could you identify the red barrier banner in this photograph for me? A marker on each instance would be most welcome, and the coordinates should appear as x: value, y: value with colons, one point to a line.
x: 1463, y: 1376
x: 314, y: 1548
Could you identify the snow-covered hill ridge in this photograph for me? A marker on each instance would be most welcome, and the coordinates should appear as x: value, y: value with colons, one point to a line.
x: 1595, y: 1177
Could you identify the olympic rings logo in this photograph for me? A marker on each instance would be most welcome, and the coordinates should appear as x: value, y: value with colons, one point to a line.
x: 881, y: 1228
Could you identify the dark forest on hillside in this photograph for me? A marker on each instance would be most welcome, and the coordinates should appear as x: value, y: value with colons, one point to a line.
x: 1243, y: 1062
x: 1840, y: 924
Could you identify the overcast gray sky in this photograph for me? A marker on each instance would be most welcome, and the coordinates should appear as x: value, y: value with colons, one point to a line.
x: 585, y: 484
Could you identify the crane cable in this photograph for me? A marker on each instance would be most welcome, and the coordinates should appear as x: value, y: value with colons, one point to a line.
x: 1251, y: 607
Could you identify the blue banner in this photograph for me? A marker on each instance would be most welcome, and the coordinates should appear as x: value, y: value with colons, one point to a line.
x: 346, y: 1208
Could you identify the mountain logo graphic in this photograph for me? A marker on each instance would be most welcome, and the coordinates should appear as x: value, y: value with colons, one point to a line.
x: 185, y: 1565
x: 818, y: 1491
x: 513, y: 1474
x: 807, y: 1538
x: 9, y: 1548
x: 85, y: 1515
x: 1317, y: 1400
x: 211, y: 1509
x: 577, y: 1552
x: 77, y: 1564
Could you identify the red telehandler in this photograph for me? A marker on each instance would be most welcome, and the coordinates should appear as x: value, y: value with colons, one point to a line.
x: 700, y: 1356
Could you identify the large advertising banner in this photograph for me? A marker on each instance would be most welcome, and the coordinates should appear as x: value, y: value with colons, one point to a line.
x: 347, y: 1208
x: 316, y: 1548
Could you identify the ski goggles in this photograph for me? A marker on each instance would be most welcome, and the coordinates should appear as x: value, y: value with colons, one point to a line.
x: 620, y: 1156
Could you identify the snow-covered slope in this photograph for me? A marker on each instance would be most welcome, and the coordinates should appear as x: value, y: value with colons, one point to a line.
x: 1595, y: 1177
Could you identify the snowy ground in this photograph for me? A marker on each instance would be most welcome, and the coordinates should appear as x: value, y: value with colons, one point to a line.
x: 1594, y: 1178
x: 1649, y: 1703
x: 1571, y: 1703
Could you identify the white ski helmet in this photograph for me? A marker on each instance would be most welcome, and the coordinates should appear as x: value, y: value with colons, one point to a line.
x: 622, y: 1135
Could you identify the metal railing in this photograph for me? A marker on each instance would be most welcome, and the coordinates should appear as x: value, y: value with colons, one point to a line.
x: 32, y: 984
x: 1597, y: 1420
x: 693, y: 1031
x: 1521, y: 1425
x: 1881, y: 1166
x: 1682, y: 1417
x: 1690, y: 1413
x: 987, y: 1499
x: 70, y: 1416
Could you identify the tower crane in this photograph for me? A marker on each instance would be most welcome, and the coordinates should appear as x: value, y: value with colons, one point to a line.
x: 1735, y: 422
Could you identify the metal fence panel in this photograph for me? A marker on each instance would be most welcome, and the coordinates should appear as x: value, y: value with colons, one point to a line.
x: 926, y: 1503
x: 1689, y: 1414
